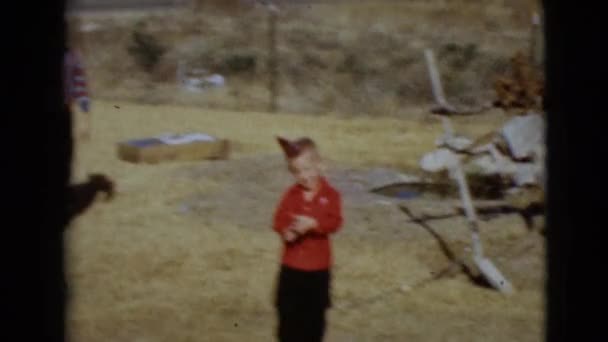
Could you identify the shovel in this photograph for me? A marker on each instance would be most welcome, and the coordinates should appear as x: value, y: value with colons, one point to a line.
x: 485, y: 266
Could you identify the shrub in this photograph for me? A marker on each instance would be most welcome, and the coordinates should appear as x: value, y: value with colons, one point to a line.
x: 239, y: 63
x: 145, y: 49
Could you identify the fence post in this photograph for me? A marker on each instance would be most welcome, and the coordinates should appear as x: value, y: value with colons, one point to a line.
x: 536, y: 40
x: 273, y: 60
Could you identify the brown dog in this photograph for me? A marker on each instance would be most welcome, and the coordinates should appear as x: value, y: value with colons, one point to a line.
x: 83, y: 195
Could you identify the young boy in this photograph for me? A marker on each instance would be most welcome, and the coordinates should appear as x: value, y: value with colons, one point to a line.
x: 308, y: 213
x: 76, y: 90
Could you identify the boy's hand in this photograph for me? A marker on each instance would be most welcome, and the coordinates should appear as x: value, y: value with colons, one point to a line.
x: 290, y: 236
x: 303, y: 224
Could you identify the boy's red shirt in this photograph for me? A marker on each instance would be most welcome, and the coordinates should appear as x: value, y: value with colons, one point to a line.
x: 312, y: 251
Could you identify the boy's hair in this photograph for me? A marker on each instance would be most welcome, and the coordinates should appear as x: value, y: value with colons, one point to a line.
x: 293, y: 149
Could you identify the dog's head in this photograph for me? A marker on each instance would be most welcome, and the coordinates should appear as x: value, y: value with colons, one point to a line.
x: 101, y: 183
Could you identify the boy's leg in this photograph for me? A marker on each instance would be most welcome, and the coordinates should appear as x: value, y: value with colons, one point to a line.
x: 315, y: 321
x: 292, y: 327
x: 282, y: 329
x: 315, y: 325
x: 290, y: 317
x: 322, y: 324
x: 302, y: 303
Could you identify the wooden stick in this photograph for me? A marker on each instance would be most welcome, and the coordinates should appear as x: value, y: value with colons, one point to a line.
x: 436, y: 85
x: 442, y: 105
x: 465, y: 194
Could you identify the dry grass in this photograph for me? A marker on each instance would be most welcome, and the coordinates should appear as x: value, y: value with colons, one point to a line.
x: 142, y: 271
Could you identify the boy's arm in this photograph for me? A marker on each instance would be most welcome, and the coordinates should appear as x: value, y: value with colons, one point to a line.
x: 282, y: 216
x: 329, y: 221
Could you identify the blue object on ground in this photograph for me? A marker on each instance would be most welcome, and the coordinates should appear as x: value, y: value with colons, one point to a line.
x: 405, y: 194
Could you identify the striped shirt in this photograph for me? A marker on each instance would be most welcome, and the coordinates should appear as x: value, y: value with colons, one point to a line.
x: 75, y: 84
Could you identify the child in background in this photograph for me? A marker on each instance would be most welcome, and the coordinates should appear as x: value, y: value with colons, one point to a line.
x: 75, y: 86
x: 76, y: 93
x: 309, y: 212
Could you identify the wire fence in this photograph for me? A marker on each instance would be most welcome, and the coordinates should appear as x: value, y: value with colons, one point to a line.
x: 314, y: 57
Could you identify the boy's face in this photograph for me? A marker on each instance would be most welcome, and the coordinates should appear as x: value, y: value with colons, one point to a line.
x: 306, y: 169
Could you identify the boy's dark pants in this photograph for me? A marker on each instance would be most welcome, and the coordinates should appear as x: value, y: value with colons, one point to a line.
x: 302, y: 301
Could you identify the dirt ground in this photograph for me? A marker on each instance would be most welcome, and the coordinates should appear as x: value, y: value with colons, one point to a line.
x: 185, y: 251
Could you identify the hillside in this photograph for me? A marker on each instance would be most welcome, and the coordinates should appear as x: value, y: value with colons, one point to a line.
x: 348, y: 57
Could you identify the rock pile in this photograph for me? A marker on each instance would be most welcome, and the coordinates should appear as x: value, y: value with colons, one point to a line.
x: 516, y: 153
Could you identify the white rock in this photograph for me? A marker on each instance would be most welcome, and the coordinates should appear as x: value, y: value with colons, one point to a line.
x: 524, y: 135
x: 438, y: 160
x: 484, y: 164
x: 526, y: 174
x: 215, y: 80
x: 522, y: 173
x: 457, y: 143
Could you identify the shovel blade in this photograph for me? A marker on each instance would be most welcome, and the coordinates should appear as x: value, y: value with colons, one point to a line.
x: 493, y: 275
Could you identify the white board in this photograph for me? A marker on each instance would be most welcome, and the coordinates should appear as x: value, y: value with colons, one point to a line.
x: 180, y: 139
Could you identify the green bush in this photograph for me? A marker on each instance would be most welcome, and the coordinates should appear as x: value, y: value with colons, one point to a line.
x: 145, y: 49
x: 239, y: 63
